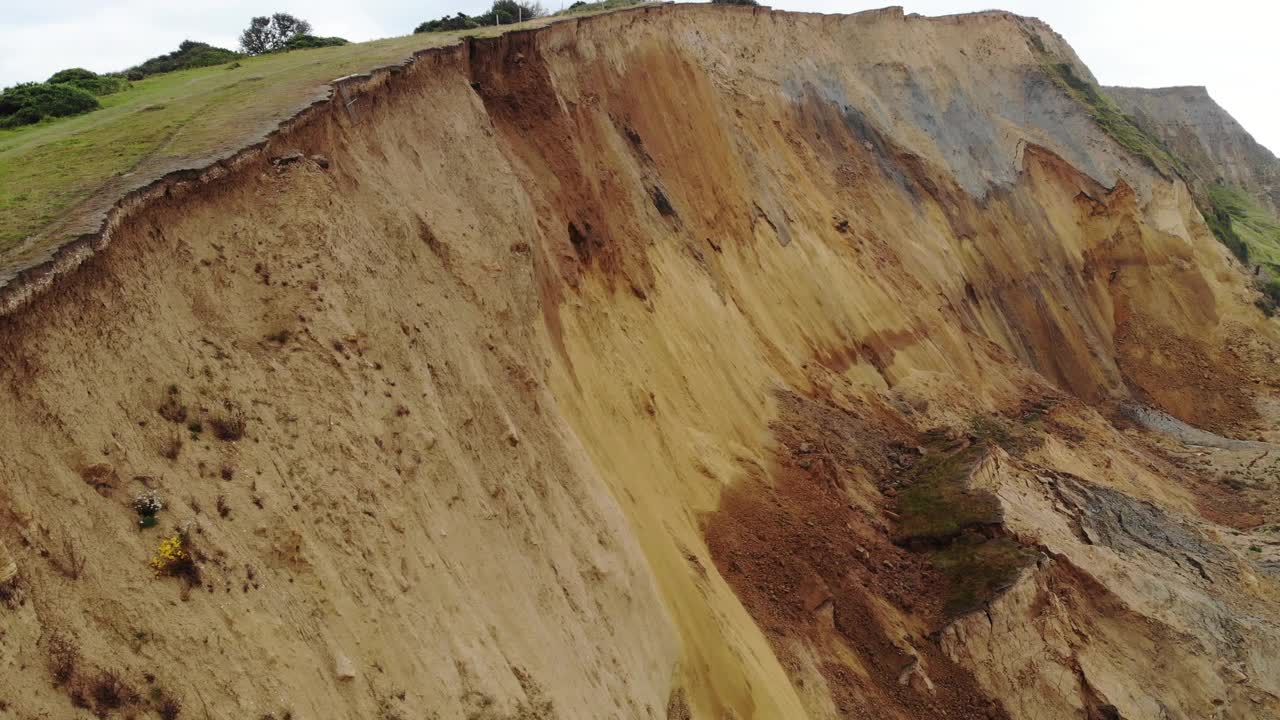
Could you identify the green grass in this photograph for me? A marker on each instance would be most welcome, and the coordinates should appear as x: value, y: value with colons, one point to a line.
x: 978, y: 569
x: 958, y: 527
x: 1254, y: 226
x: 1115, y: 123
x: 936, y: 503
x: 55, y: 175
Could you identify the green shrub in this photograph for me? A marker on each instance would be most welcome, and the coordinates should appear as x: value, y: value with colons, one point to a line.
x: 1270, y: 301
x: 190, y: 54
x: 89, y: 81
x: 734, y: 2
x: 504, y: 12
x: 304, y: 42
x: 71, y: 76
x: 24, y: 116
x: 458, y: 22
x: 30, y: 103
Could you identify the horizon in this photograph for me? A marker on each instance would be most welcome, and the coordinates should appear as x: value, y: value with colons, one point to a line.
x: 1182, y: 46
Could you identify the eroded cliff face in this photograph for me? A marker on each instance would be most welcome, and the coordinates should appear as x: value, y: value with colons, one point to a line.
x: 1214, y: 145
x: 686, y: 362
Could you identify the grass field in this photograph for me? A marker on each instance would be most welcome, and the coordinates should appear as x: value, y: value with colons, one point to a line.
x: 57, y: 176
x: 1254, y: 225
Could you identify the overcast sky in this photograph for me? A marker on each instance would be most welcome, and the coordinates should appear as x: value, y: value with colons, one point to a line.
x: 1230, y: 46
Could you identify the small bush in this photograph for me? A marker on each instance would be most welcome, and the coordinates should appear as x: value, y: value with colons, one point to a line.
x: 174, y: 559
x: 734, y: 2
x: 64, y: 658
x: 147, y: 505
x: 168, y: 707
x: 231, y: 425
x: 173, y: 409
x: 1270, y: 297
x: 110, y: 692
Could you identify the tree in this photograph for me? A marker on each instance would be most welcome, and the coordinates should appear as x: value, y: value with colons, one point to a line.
x: 268, y: 34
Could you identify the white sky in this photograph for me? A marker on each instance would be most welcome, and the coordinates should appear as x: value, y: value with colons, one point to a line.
x: 1230, y: 46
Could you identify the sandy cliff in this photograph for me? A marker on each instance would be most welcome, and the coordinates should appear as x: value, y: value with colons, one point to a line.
x: 684, y: 362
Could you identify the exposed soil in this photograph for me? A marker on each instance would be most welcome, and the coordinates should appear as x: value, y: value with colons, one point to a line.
x: 806, y: 550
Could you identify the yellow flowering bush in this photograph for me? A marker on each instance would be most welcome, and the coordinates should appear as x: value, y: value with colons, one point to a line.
x: 172, y: 558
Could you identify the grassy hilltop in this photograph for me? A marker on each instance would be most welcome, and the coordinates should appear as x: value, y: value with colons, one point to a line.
x: 54, y: 174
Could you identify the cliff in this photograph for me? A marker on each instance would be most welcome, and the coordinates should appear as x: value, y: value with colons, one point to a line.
x: 682, y: 362
x: 1215, y: 146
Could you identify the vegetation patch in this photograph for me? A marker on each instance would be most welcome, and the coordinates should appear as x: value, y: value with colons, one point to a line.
x: 29, y: 103
x: 1249, y: 224
x: 978, y: 569
x: 1121, y: 127
x: 231, y: 424
x: 960, y: 528
x: 936, y: 504
x: 175, y: 558
x: 305, y: 42
x: 271, y: 34
x: 103, y: 692
x: 189, y: 55
x: 1253, y: 236
x: 502, y: 12
x: 147, y: 505
x: 89, y: 81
